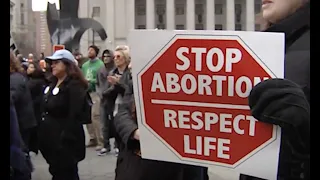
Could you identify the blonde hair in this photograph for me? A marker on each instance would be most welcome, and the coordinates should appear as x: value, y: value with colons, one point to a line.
x: 125, y: 51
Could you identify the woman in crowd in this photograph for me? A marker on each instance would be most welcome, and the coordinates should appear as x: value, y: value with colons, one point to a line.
x: 23, y: 62
x: 130, y: 165
x: 118, y: 80
x: 36, y: 84
x: 286, y: 102
x: 22, y: 100
x: 61, y: 134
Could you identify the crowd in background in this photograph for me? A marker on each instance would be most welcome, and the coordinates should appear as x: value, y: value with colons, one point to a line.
x: 49, y: 96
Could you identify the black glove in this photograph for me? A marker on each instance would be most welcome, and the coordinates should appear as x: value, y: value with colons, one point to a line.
x: 280, y: 102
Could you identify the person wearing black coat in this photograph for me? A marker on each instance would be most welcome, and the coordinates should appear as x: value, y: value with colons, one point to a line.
x: 130, y: 165
x: 20, y: 164
x: 22, y: 100
x: 286, y: 102
x: 36, y: 83
x: 61, y: 133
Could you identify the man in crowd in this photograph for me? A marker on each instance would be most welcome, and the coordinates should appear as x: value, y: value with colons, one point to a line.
x: 42, y: 62
x: 102, y: 85
x: 30, y: 57
x: 90, y: 69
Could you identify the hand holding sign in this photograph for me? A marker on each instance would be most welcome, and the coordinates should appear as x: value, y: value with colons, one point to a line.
x: 136, y: 135
x: 282, y: 102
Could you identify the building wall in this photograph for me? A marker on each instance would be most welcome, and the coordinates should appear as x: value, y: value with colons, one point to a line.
x: 12, y: 13
x: 119, y: 16
x: 23, y: 25
x: 43, y: 43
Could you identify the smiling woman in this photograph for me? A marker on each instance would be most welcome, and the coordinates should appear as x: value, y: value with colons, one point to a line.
x: 41, y: 5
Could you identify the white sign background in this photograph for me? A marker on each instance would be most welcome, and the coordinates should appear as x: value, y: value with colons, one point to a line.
x: 269, y: 47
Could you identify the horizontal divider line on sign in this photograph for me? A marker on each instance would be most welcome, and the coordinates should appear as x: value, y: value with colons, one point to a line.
x: 200, y: 104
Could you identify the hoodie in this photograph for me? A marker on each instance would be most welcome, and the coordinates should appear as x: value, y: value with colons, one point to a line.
x: 103, y: 72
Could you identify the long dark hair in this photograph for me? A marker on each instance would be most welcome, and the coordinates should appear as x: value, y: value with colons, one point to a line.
x: 75, y: 72
x: 37, y: 73
x: 15, y: 65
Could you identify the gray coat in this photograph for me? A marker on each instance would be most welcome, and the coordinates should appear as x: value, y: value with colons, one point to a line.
x: 102, y: 82
x: 113, y: 91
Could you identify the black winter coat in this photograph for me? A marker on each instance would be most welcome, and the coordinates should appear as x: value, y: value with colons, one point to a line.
x: 36, y: 84
x: 22, y: 101
x: 294, y: 158
x: 61, y: 134
x: 130, y: 166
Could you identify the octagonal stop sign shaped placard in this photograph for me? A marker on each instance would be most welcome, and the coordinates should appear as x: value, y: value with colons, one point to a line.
x: 193, y: 97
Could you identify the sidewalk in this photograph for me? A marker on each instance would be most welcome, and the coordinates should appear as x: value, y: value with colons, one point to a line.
x: 222, y: 174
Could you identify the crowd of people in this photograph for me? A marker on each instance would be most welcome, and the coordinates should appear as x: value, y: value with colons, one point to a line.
x: 51, y: 102
x: 53, y: 98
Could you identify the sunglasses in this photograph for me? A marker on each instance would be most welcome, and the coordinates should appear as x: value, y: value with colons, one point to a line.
x: 117, y: 56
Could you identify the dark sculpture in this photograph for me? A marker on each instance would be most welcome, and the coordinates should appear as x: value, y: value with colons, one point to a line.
x: 67, y: 28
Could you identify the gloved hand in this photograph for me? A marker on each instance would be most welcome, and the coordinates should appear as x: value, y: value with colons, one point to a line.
x: 280, y: 102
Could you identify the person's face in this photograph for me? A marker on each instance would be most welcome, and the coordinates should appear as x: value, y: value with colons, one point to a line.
x: 58, y: 68
x: 274, y: 11
x: 91, y: 53
x: 107, y: 58
x: 119, y: 60
x: 30, y: 69
x: 78, y: 57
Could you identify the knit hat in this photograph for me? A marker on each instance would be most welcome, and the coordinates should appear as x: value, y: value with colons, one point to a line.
x: 95, y: 48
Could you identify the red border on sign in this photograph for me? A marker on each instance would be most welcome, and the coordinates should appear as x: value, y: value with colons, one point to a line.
x: 197, y: 36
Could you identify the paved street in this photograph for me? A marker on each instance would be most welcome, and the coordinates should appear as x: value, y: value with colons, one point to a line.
x: 102, y: 168
x: 92, y: 168
x: 97, y: 168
